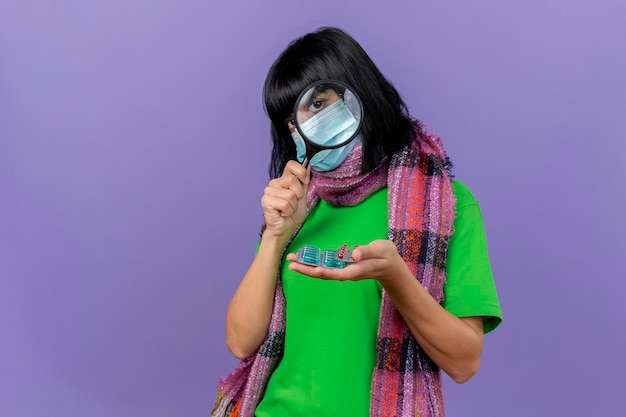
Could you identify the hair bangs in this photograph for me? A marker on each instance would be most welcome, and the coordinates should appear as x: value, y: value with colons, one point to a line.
x: 280, y: 94
x: 299, y: 66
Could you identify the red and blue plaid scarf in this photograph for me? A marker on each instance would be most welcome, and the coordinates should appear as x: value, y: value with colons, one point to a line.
x: 405, y: 382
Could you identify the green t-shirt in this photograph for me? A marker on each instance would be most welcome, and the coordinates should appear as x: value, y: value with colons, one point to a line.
x: 331, y: 326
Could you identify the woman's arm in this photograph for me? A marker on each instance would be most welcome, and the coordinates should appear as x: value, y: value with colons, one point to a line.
x: 250, y: 309
x: 454, y: 344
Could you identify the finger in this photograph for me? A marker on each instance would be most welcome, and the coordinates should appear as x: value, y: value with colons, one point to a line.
x: 290, y: 182
x: 314, y: 271
x: 349, y: 273
x: 361, y: 252
x: 286, y: 207
x: 294, y: 168
x: 380, y: 248
x: 283, y: 194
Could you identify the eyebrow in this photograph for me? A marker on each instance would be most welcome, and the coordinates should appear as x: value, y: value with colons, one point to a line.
x: 316, y: 94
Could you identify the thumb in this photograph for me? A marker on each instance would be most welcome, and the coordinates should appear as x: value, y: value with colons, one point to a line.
x: 361, y: 252
x: 376, y: 249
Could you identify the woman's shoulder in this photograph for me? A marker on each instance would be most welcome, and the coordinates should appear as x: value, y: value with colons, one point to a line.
x: 463, y: 195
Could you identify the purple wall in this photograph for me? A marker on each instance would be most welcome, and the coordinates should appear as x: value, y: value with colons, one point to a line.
x: 133, y: 153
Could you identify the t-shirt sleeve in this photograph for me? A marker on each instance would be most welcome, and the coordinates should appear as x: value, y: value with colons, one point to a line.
x: 470, y: 289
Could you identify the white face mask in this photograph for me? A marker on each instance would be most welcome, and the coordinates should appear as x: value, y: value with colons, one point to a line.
x: 325, y: 160
x: 333, y: 125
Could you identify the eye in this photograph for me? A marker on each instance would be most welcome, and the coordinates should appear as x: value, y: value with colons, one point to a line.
x: 290, y: 121
x: 316, y: 106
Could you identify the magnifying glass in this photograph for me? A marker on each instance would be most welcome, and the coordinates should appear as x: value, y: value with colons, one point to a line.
x: 327, y: 115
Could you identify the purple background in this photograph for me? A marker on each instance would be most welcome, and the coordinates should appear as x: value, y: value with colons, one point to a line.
x: 134, y: 151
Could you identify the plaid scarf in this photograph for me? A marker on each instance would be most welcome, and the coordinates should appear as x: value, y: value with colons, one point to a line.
x: 406, y: 382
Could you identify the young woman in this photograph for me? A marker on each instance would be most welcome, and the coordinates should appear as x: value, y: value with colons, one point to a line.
x: 371, y: 338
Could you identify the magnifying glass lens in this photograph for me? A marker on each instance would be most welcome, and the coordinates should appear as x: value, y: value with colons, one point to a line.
x: 328, y: 115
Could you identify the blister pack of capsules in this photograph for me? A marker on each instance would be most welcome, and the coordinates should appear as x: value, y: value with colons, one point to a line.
x: 334, y: 259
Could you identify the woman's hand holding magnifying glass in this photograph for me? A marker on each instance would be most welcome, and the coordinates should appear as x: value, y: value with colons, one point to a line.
x: 284, y: 201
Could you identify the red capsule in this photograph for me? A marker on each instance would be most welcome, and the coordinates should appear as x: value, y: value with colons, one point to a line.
x: 342, y: 251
